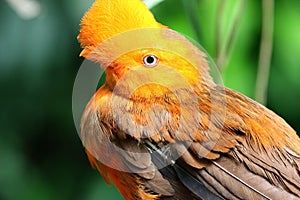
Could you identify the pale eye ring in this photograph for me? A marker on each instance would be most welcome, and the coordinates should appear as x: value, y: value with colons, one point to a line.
x: 150, y: 60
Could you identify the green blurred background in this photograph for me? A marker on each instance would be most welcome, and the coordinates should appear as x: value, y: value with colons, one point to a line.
x: 41, y: 156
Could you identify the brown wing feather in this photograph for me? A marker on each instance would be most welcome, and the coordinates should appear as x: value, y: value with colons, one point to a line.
x: 124, y: 162
x: 249, y: 155
x: 249, y: 149
x: 260, y: 160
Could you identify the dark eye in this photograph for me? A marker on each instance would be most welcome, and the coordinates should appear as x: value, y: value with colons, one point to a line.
x: 150, y: 61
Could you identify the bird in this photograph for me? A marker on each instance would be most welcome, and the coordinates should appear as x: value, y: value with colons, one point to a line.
x: 161, y: 128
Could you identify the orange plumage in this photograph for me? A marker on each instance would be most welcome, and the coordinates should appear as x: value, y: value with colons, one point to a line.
x: 160, y: 128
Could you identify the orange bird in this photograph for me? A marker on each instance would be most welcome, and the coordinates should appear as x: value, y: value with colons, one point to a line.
x: 160, y: 128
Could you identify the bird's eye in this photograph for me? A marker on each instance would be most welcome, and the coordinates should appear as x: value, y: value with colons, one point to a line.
x: 150, y: 61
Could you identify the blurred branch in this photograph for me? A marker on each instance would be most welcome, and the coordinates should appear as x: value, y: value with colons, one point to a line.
x: 266, y: 47
x: 191, y: 11
x: 223, y: 50
x: 220, y: 14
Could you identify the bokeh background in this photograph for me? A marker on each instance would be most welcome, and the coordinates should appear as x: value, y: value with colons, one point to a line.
x: 41, y: 156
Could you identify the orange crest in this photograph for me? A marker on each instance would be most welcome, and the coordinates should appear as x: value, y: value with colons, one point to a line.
x: 107, y: 18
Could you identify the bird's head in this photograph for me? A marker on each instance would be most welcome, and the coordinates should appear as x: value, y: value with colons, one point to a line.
x: 138, y: 52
